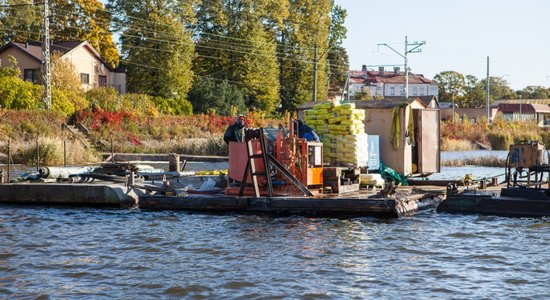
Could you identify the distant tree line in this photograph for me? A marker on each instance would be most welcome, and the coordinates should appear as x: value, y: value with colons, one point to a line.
x: 469, y: 91
x: 220, y: 55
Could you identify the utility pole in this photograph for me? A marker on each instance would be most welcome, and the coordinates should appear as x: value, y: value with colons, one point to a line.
x: 315, y: 73
x: 487, y: 84
x: 415, y: 49
x: 46, y: 62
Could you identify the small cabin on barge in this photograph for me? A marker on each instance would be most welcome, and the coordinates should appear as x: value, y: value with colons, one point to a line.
x: 409, y: 133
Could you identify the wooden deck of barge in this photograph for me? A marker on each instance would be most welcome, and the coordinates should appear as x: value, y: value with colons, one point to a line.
x: 364, y: 203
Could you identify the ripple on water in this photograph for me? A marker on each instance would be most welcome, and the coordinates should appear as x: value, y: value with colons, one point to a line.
x: 86, y: 253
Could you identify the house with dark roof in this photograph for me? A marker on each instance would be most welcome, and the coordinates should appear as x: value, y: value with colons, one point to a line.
x: 386, y: 84
x: 92, y: 70
x: 527, y: 110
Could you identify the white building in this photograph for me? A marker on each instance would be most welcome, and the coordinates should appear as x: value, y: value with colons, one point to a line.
x: 391, y: 83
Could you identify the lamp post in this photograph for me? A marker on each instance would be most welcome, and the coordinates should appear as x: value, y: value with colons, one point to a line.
x: 415, y: 49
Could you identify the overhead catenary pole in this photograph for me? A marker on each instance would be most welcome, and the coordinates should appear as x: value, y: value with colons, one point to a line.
x: 487, y: 84
x: 315, y: 73
x: 414, y: 49
x: 46, y: 61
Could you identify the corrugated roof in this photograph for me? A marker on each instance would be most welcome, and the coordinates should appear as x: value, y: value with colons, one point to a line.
x: 384, y: 103
x: 525, y: 108
x: 496, y: 103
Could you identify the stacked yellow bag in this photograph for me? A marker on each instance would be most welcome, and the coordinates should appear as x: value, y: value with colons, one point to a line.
x: 343, y: 136
x: 318, y: 117
x: 342, y: 131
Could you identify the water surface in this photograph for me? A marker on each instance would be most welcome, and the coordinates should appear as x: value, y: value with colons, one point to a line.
x: 132, y: 254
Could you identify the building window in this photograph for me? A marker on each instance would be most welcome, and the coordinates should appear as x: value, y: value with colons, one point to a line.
x: 30, y: 75
x: 415, y: 91
x: 84, y: 78
x: 392, y: 91
x: 422, y: 91
x: 102, y: 80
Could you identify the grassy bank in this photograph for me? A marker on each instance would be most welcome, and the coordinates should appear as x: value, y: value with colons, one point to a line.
x: 123, y: 131
x: 24, y: 129
x: 466, y: 135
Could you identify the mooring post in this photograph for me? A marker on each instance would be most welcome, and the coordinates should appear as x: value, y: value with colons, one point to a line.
x: 64, y: 145
x: 174, y: 162
x: 37, y: 154
x: 9, y: 158
x: 1, y: 176
x: 112, y: 151
x: 131, y: 179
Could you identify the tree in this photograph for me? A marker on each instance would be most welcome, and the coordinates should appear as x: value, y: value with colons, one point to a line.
x: 64, y: 74
x: 83, y: 20
x: 451, y: 86
x: 362, y: 95
x: 498, y: 89
x: 534, y: 92
x: 475, y: 93
x: 157, y: 49
x: 307, y: 26
x: 223, y: 98
x: 236, y: 42
x: 337, y: 55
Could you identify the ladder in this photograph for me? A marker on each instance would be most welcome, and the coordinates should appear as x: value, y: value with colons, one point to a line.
x: 249, y: 136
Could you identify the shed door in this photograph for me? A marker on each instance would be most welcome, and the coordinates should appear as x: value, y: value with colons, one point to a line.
x: 428, y: 150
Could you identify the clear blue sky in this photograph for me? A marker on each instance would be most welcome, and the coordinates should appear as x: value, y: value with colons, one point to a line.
x: 460, y: 34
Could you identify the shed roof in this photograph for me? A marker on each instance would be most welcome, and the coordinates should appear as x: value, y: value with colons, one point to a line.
x: 526, y: 108
x: 496, y: 103
x: 384, y: 103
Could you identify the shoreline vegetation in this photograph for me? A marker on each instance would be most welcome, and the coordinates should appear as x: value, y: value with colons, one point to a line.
x: 200, y: 134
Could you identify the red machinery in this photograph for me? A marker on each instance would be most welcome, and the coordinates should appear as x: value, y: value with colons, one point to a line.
x: 293, y: 166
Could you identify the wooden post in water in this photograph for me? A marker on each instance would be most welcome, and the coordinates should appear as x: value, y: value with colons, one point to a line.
x: 37, y: 154
x: 64, y: 145
x: 112, y: 151
x: 174, y: 162
x: 9, y: 158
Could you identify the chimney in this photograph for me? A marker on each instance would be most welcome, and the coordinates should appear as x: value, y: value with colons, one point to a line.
x: 381, y: 69
x: 364, y: 68
x: 396, y: 70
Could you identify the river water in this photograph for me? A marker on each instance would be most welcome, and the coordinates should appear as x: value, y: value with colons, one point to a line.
x: 75, y: 253
x: 68, y: 253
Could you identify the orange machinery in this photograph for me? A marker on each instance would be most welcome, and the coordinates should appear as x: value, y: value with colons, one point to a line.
x: 302, y: 158
x: 289, y: 156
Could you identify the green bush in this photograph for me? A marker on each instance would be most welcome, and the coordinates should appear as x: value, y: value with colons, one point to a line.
x: 173, y: 106
x: 16, y: 93
x: 500, y: 140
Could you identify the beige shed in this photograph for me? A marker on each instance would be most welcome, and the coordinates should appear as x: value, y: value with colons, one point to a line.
x: 410, y: 148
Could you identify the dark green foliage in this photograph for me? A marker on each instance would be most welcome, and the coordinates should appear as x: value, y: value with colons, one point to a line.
x: 213, y: 96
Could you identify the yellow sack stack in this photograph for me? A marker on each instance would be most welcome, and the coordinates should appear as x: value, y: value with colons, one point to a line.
x: 320, y: 116
x: 342, y: 133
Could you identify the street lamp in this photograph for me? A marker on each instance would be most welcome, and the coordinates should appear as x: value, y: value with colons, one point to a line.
x: 414, y: 49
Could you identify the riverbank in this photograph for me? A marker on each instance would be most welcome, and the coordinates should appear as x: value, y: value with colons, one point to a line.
x: 499, y: 135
